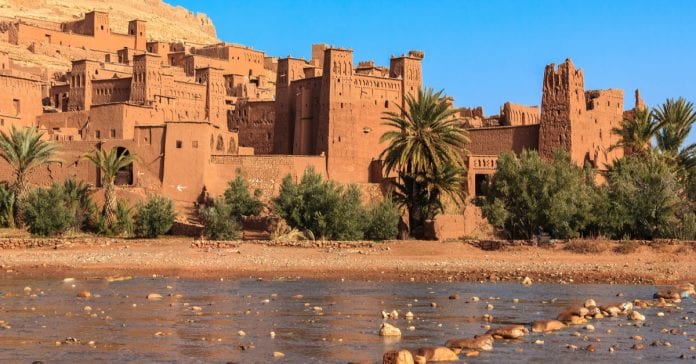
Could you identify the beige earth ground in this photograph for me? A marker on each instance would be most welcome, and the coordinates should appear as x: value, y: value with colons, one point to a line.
x: 402, y: 261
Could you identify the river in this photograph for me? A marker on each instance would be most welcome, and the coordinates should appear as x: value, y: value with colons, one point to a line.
x: 118, y: 323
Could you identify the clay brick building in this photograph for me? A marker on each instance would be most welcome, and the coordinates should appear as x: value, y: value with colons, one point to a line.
x: 20, y: 99
x: 197, y: 115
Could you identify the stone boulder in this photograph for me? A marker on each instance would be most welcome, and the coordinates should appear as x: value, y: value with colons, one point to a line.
x: 547, y: 325
x: 483, y: 342
x: 389, y: 330
x: 397, y: 357
x: 435, y: 354
x: 508, y: 332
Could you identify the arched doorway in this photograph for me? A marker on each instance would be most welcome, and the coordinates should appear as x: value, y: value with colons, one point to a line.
x: 124, y: 176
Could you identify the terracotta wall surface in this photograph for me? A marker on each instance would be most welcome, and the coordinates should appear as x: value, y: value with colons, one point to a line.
x: 254, y: 121
x: 20, y: 100
x: 494, y: 140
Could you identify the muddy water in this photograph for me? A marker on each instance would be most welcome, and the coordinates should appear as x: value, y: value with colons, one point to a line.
x: 50, y: 322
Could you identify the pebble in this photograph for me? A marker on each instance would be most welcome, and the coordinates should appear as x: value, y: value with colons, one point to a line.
x: 589, y: 327
x: 241, y: 333
x: 571, y: 347
x: 591, y: 348
x: 278, y: 354
x: 527, y: 281
x: 317, y: 309
x: 87, y: 308
x: 68, y: 280
x: 433, y: 304
x: 273, y: 334
x: 154, y: 296
x: 539, y: 342
x: 489, y: 307
x: 84, y: 294
x: 638, y: 346
x: 408, y: 315
x: 660, y: 314
x: 454, y: 296
x: 636, y: 316
x: 475, y: 299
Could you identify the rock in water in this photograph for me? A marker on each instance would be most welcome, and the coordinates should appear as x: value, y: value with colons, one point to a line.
x: 397, y: 357
x: 508, y: 332
x: 527, y: 281
x: 636, y: 316
x: 547, y: 326
x: 439, y: 353
x: 154, y: 296
x: 84, y: 294
x: 389, y: 330
x: 483, y: 342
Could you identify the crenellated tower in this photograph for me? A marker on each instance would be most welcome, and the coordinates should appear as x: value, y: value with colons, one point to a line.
x: 147, y: 78
x: 410, y: 70
x: 80, y: 94
x: 562, y: 104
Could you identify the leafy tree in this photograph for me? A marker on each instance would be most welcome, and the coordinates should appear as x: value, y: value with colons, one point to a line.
x: 528, y: 194
x: 383, y: 221
x: 636, y: 135
x: 324, y: 208
x: 46, y: 212
x: 24, y: 150
x: 426, y: 147
x: 109, y: 163
x: 240, y: 201
x: 217, y: 224
x: 643, y: 196
x: 155, y: 217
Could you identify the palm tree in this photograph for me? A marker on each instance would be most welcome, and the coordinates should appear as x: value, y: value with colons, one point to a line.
x: 676, y: 117
x: 636, y: 134
x: 25, y: 150
x: 109, y: 163
x: 427, y: 135
x: 426, y: 147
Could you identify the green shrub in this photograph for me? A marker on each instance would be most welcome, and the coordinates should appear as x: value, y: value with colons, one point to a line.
x: 7, y: 203
x: 124, y: 224
x: 383, y: 221
x: 78, y: 200
x: 217, y: 223
x: 155, y: 217
x: 240, y: 201
x: 46, y: 213
x: 325, y: 209
x: 643, y: 198
x: 528, y: 194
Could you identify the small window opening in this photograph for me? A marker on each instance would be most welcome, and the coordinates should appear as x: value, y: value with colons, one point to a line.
x: 178, y: 144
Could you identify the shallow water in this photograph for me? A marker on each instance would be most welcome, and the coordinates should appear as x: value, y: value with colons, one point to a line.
x: 125, y: 324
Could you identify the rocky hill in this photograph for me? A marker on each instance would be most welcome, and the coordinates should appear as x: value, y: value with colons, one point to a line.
x: 164, y: 22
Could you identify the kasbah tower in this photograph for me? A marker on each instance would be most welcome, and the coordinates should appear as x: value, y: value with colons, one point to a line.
x: 199, y: 114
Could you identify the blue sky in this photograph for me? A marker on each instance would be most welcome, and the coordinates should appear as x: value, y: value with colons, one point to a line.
x: 486, y: 52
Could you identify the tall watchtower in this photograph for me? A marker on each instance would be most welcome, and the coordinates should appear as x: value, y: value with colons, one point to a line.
x: 336, y: 129
x: 147, y: 78
x: 80, y: 94
x: 562, y: 104
x: 409, y: 69
x: 136, y: 28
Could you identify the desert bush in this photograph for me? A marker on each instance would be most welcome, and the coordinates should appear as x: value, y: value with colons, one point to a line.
x: 323, y: 208
x: 217, y: 223
x: 283, y: 232
x: 627, y: 247
x: 240, y: 201
x: 45, y: 211
x: 383, y: 221
x: 528, y: 194
x: 7, y: 203
x: 642, y: 198
x: 586, y: 246
x: 78, y: 200
x: 123, y: 225
x: 155, y: 217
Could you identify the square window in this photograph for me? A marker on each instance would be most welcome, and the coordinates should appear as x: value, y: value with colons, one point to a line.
x: 194, y: 143
x: 178, y: 144
x: 113, y: 133
x: 97, y: 134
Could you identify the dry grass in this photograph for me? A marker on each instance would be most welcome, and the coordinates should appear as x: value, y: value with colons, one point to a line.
x: 627, y: 247
x: 587, y: 246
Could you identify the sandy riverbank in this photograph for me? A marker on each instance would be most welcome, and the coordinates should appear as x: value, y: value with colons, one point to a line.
x: 402, y: 261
